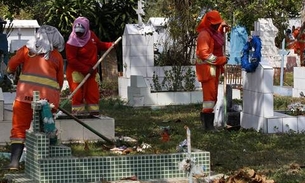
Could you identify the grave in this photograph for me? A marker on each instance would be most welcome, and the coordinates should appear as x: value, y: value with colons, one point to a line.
x: 68, y: 129
x: 55, y: 164
x: 23, y: 30
x: 258, y: 112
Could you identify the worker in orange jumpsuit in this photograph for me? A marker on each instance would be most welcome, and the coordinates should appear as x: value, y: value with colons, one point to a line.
x: 82, y: 50
x: 301, y: 41
x: 210, y: 62
x: 291, y: 40
x: 42, y: 70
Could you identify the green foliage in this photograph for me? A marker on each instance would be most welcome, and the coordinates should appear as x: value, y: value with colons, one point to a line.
x: 269, y: 154
x: 109, y: 85
x: 189, y: 79
x: 17, y: 5
x: 156, y: 85
x: 287, y: 79
x: 180, y: 49
x: 173, y: 79
x: 179, y: 78
x: 235, y: 12
x: 62, y: 13
x: 282, y: 102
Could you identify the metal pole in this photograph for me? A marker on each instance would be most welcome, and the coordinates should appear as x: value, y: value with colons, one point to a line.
x: 189, y: 152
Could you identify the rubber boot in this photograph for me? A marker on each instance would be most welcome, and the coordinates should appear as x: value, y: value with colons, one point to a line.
x: 203, y: 122
x: 209, y: 120
x: 16, y: 152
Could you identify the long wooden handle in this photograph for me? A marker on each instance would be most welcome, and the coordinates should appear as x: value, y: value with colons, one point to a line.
x: 225, y: 115
x: 86, y: 126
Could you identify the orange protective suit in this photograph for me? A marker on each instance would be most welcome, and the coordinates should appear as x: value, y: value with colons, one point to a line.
x: 42, y: 71
x: 292, y: 42
x: 82, y: 55
x: 210, y: 57
x: 38, y: 74
x: 296, y: 41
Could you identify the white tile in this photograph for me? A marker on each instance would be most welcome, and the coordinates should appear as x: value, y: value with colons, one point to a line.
x: 299, y: 72
x: 290, y: 123
x: 137, y: 81
x: 150, y: 60
x: 7, y: 113
x: 296, y: 92
x: 124, y: 40
x: 9, y: 97
x: 2, y: 110
x: 182, y: 97
x: 141, y: 71
x: 123, y: 93
x: 248, y: 102
x: 138, y: 50
x: 151, y: 99
x: 103, y: 125
x: 166, y: 98
x: 1, y: 94
x: 138, y: 61
x: 138, y: 101
x: 267, y: 82
x: 125, y: 52
x: 150, y: 50
x: 127, y: 72
x: 301, y: 124
x: 196, y: 97
x: 148, y: 82
x: 266, y: 105
x: 5, y: 132
x: 158, y: 70
x: 275, y: 125
x: 298, y: 83
x: 252, y: 121
x: 136, y: 40
x: 131, y: 91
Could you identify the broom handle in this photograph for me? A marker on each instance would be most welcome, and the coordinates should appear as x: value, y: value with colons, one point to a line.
x: 225, y: 82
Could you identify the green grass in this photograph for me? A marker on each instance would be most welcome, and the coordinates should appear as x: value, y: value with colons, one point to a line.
x: 268, y: 154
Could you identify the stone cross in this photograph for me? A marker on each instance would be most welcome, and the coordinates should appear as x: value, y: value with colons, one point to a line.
x: 283, y: 52
x: 140, y: 12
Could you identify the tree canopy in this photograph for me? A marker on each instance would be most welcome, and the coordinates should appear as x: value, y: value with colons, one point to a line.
x: 109, y: 17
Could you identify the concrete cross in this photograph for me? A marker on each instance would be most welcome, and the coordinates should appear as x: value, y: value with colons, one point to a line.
x: 140, y: 12
x: 283, y: 52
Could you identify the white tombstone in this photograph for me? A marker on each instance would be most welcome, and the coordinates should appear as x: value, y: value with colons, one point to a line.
x: 23, y: 30
x: 257, y: 97
x: 265, y: 29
